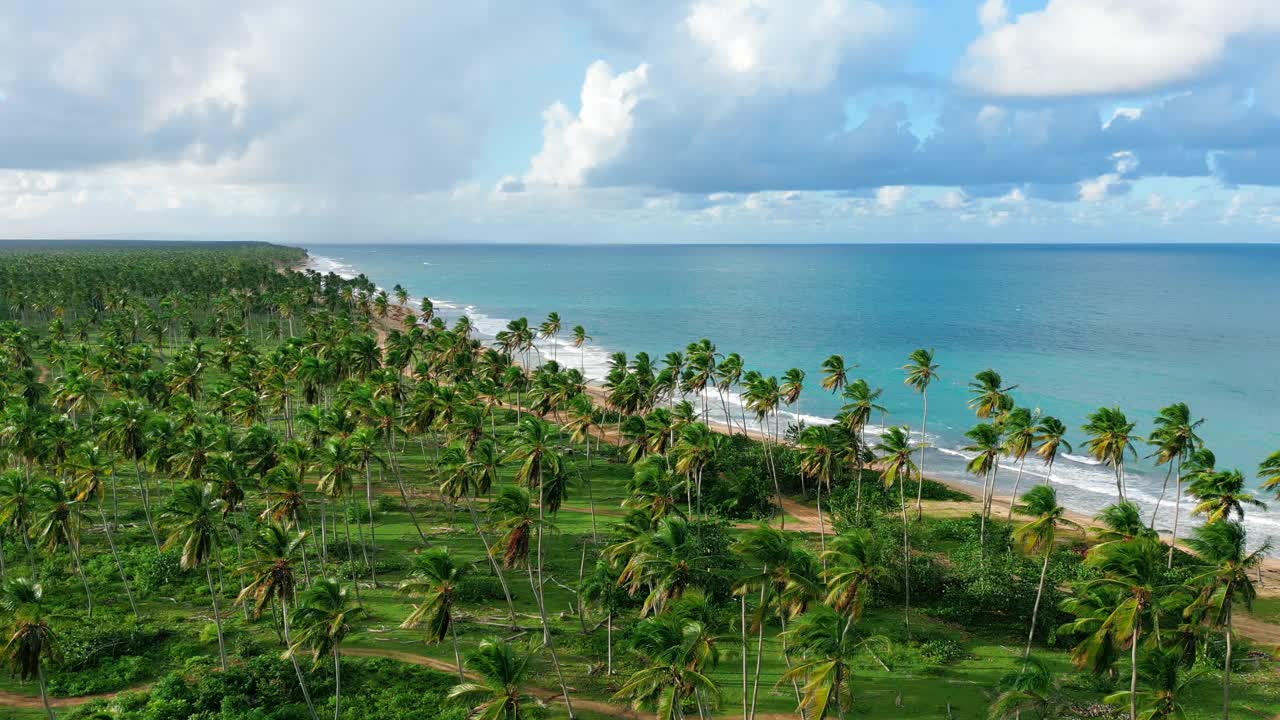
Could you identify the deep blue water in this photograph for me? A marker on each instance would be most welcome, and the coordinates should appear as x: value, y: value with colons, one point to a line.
x: 1075, y: 327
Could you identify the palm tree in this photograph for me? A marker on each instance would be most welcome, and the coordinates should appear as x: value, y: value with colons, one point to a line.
x: 835, y: 375
x: 921, y: 371
x: 1269, y: 472
x: 1222, y: 494
x: 896, y: 468
x: 696, y: 449
x: 29, y: 638
x: 1026, y: 693
x: 1040, y: 503
x: 986, y: 441
x: 676, y: 652
x: 1163, y: 670
x: 90, y: 470
x: 852, y: 565
x: 1225, y: 581
x: 990, y: 394
x: 437, y: 584
x: 192, y: 512
x: 819, y: 458
x: 17, y: 500
x: 60, y: 522
x: 272, y: 580
x: 1110, y: 440
x: 580, y: 338
x: 601, y: 587
x: 1051, y: 433
x: 1175, y: 439
x: 827, y: 651
x: 861, y: 402
x: 502, y: 669
x: 323, y: 620
x: 1121, y: 521
x: 1130, y: 572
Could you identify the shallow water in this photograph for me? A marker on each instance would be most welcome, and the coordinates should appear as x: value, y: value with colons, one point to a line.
x: 1075, y: 327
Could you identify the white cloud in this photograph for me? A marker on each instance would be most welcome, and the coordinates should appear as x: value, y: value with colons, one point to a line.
x: 573, y: 145
x: 889, y: 197
x: 992, y: 13
x: 786, y: 45
x: 954, y: 200
x: 1096, y: 47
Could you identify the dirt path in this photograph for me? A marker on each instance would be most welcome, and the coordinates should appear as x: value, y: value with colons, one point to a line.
x: 32, y: 702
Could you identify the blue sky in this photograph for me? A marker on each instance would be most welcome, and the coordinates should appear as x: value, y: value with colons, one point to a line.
x: 669, y: 121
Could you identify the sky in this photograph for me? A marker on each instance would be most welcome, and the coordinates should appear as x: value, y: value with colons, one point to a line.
x: 598, y: 121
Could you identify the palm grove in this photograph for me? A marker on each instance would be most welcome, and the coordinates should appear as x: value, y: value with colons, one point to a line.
x: 211, y: 458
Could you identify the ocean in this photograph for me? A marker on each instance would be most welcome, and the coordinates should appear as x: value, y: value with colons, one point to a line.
x: 1075, y: 327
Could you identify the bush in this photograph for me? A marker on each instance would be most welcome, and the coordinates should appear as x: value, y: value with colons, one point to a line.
x: 943, y: 651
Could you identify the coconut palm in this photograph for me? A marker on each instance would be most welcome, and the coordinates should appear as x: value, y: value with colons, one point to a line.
x: 676, y: 654
x: 580, y: 338
x: 1269, y: 472
x: 986, y: 442
x: 895, y: 450
x: 1164, y: 672
x: 549, y: 330
x: 1224, y: 581
x: 694, y: 451
x: 1024, y: 694
x: 852, y: 564
x: 192, y: 514
x: 601, y: 588
x: 921, y: 371
x: 1222, y: 494
x: 60, y: 522
x: 835, y: 374
x: 17, y: 507
x: 1019, y: 427
x: 323, y: 620
x: 819, y: 459
x: 1111, y: 439
x: 1038, y: 536
x: 503, y: 670
x: 436, y: 583
x: 30, y: 641
x: 1051, y: 434
x: 90, y: 470
x: 272, y: 580
x: 1174, y: 439
x: 827, y: 651
x: 1121, y: 521
x: 990, y: 394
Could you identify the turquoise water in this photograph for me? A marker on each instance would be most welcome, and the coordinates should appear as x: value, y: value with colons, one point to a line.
x: 1074, y: 327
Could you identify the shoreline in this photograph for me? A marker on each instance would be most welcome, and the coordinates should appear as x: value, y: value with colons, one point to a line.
x: 1070, y: 493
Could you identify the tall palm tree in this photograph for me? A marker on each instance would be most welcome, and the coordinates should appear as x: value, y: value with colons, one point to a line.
x: 861, y: 402
x: 1051, y: 435
x: 437, y: 584
x: 580, y: 338
x: 1222, y: 550
x: 1269, y: 472
x: 1174, y: 439
x: 90, y: 469
x: 676, y: 654
x: 192, y: 513
x: 272, y: 579
x: 986, y: 443
x: 694, y: 451
x: 1040, y: 503
x: 30, y: 641
x: 323, y: 620
x: 17, y: 507
x: 1020, y: 427
x: 1167, y: 679
x: 852, y: 565
x: 1111, y: 439
x: 819, y: 459
x: 921, y: 372
x: 990, y: 394
x: 60, y: 522
x: 503, y: 670
x: 895, y: 451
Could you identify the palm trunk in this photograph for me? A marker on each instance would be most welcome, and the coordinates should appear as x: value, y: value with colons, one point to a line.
x: 1177, y: 508
x: 1035, y: 609
x: 755, y: 683
x: 591, y: 503
x: 547, y: 640
x: 44, y: 689
x: 822, y: 527
x: 373, y: 540
x: 346, y: 517
x: 457, y: 653
x: 497, y: 570
x: 1133, y: 671
x: 297, y: 669
x: 217, y: 618
x: 924, y: 425
x: 786, y: 659
x: 404, y: 496
x: 743, y: 630
x: 608, y: 633
x: 1016, y: 482
x: 1163, y: 489
x: 106, y: 527
x: 1226, y: 672
x: 906, y: 563
x: 75, y: 556
x: 146, y: 502
x: 337, y: 684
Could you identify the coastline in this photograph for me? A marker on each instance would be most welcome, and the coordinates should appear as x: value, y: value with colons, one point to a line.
x: 1071, y: 493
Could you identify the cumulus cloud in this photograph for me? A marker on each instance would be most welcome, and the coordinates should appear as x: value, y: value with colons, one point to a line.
x: 1103, y: 47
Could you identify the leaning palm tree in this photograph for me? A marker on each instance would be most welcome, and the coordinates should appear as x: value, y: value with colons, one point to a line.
x: 852, y: 565
x: 986, y: 443
x: 192, y: 515
x: 29, y: 638
x: 921, y: 371
x: 90, y: 471
x: 1020, y: 426
x: 1224, y: 582
x: 1221, y: 495
x: 1026, y: 694
x: 835, y: 374
x: 272, y: 579
x: 580, y: 338
x: 990, y: 394
x: 503, y: 669
x: 1040, y: 503
x: 1269, y: 472
x: 437, y: 584
x: 1175, y: 439
x: 323, y: 620
x: 60, y: 522
x: 895, y: 451
x: 827, y: 651
x: 1111, y: 439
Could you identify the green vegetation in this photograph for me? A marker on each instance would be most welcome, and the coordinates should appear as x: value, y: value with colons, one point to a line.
x: 233, y: 490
